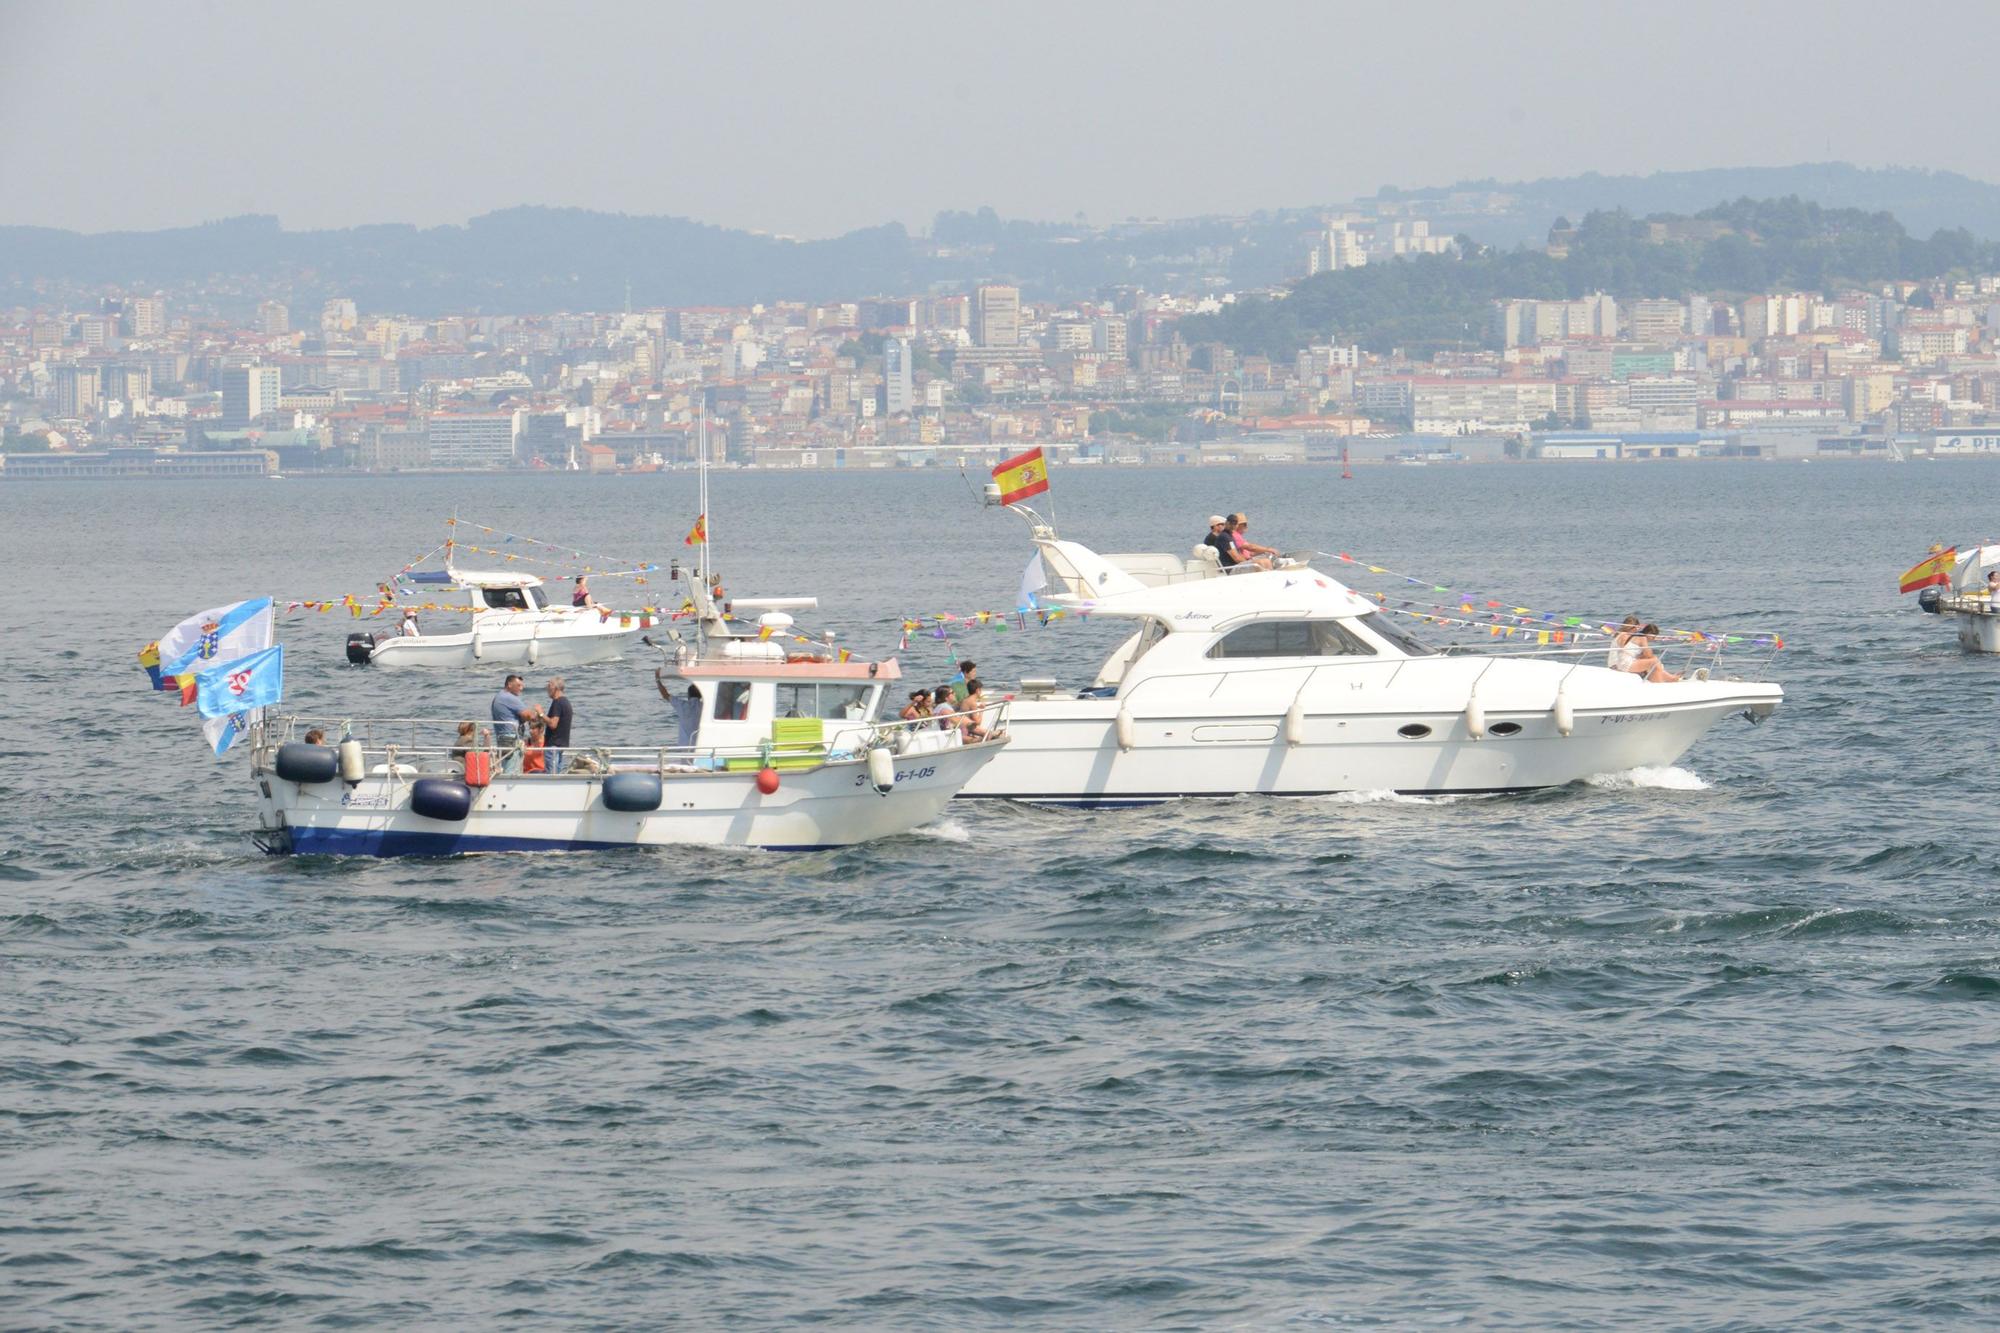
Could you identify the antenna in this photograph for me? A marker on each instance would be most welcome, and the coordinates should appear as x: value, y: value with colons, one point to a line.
x: 701, y: 446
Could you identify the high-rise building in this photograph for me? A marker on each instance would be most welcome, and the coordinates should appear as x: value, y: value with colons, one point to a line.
x: 96, y: 331
x: 996, y: 316
x: 272, y: 317
x: 1107, y: 335
x: 146, y: 316
x: 248, y: 392
x: 131, y: 383
x: 472, y: 439
x: 898, y: 392
x: 338, y: 316
x: 1657, y: 321
x: 77, y: 390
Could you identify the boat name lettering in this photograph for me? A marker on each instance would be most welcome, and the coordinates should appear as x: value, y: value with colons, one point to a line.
x: 1631, y: 717
x: 1195, y: 615
x: 906, y: 775
x: 353, y: 802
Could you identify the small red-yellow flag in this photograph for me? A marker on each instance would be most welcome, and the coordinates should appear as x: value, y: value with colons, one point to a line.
x: 1925, y: 573
x: 1022, y: 476
x: 698, y: 534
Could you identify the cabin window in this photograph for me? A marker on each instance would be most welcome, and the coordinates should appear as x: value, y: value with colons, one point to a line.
x: 1378, y: 625
x: 732, y: 701
x: 840, y: 703
x: 1292, y: 638
x: 506, y: 599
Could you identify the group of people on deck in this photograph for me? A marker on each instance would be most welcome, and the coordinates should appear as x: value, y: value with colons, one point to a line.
x: 531, y: 737
x: 1229, y: 538
x: 1632, y: 650
x: 959, y: 706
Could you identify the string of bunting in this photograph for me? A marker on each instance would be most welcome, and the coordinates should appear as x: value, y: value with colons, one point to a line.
x: 1488, y: 614
x: 936, y: 625
x: 645, y: 616
x: 512, y: 538
x: 510, y: 557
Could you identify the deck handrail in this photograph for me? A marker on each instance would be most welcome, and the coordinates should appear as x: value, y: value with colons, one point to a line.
x: 405, y: 738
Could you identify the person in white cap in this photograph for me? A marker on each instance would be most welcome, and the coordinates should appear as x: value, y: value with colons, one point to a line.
x: 1221, y: 540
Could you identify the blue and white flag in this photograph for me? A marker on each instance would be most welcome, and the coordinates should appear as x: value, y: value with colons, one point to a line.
x: 219, y: 634
x: 249, y: 682
x: 223, y: 732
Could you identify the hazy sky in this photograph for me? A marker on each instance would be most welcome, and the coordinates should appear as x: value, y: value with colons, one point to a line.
x: 812, y: 119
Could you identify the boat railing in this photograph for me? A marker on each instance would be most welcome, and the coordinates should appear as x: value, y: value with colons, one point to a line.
x: 414, y: 747
x: 1681, y: 655
x: 1975, y: 603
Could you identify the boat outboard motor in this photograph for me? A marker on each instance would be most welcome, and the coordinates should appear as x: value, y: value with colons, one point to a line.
x: 1929, y: 598
x: 360, y: 647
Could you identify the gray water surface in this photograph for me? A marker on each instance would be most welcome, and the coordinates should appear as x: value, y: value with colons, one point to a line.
x: 1706, y: 1047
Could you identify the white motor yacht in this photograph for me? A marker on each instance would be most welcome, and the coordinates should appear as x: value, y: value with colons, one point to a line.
x: 513, y: 624
x: 1287, y: 682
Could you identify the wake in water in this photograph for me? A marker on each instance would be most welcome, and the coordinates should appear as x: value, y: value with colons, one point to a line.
x: 1670, y: 778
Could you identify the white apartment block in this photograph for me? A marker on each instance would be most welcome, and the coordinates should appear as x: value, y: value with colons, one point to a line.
x: 473, y: 439
x: 1453, y: 407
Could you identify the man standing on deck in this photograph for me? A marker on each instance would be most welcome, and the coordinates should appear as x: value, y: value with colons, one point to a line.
x: 558, y: 714
x: 507, y: 710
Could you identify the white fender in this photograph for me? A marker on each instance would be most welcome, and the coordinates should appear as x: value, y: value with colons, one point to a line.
x: 881, y: 770
x: 478, y: 645
x: 1565, y: 715
x: 351, y: 765
x: 535, y: 649
x: 1295, y: 723
x: 1124, y: 726
x: 1475, y: 717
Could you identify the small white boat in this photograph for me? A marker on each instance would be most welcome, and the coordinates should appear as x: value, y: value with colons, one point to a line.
x: 1286, y: 682
x: 513, y: 624
x: 788, y: 754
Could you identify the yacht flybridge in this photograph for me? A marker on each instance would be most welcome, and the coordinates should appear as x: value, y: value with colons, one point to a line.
x: 1288, y: 682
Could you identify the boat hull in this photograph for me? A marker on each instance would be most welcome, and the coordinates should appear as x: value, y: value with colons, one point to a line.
x: 833, y: 805
x: 1068, y: 751
x: 1979, y: 631
x: 556, y: 647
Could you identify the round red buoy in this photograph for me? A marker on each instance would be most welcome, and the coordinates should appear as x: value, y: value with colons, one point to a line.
x: 767, y: 780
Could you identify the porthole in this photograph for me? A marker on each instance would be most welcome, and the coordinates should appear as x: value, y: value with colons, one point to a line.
x: 1415, y: 731
x: 1504, y: 729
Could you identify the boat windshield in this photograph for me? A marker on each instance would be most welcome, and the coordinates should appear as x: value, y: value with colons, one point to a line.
x: 1378, y: 625
x: 508, y: 599
x: 839, y: 702
x: 1292, y: 638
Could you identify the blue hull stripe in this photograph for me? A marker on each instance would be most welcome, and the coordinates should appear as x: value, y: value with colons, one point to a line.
x: 1135, y: 799
x: 378, y: 842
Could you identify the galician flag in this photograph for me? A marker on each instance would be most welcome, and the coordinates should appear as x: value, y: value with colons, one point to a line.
x: 237, y: 687
x: 219, y: 634
x: 1934, y: 570
x: 1022, y: 476
x: 222, y: 732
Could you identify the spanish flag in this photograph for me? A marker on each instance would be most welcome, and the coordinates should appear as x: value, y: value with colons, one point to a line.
x: 1934, y: 570
x: 1022, y: 476
x: 698, y: 534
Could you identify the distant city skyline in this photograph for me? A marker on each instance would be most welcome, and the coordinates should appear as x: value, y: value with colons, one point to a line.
x: 816, y: 121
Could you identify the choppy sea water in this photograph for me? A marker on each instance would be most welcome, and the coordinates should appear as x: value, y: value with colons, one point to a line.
x: 1706, y: 1046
